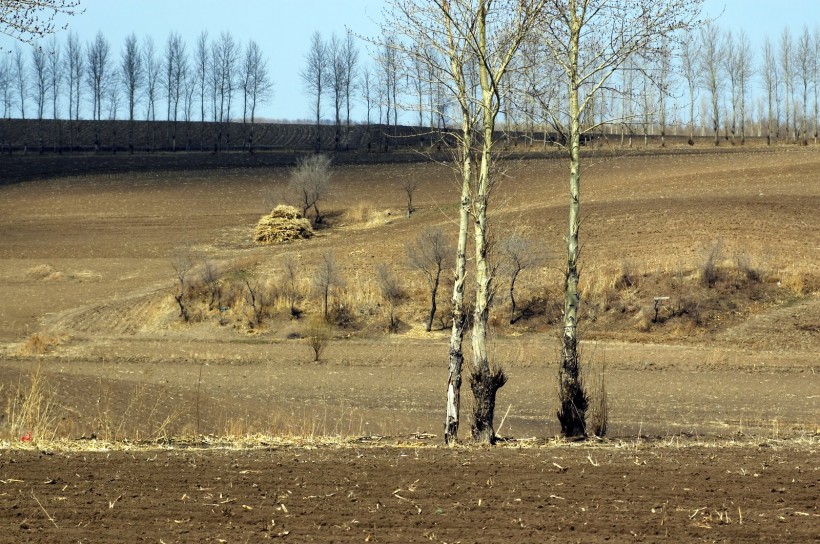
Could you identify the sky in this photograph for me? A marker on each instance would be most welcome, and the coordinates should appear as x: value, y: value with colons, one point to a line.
x: 283, y: 28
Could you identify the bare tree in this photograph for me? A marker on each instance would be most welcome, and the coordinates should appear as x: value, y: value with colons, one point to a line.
x: 418, y: 67
x: 729, y: 64
x: 224, y: 59
x: 710, y: 62
x: 409, y: 185
x: 427, y: 254
x: 803, y: 60
x: 290, y: 286
x: 175, y: 66
x: 131, y: 68
x: 29, y: 20
x: 113, y: 105
x: 786, y: 51
x: 318, y: 336
x: 815, y: 69
x: 388, y: 63
x: 518, y: 255
x: 39, y: 72
x: 476, y: 42
x: 152, y: 78
x: 337, y: 79
x: 211, y: 274
x: 257, y: 88
x: 367, y: 91
x: 392, y: 292
x: 664, y: 84
x: 74, y: 75
x: 98, y: 79
x: 258, y: 296
x: 589, y: 40
x: 6, y: 87
x: 770, y: 74
x: 314, y: 79
x: 689, y: 69
x: 201, y: 66
x: 350, y: 59
x: 183, y: 262
x: 189, y: 86
x: 326, y: 280
x: 21, y: 77
x: 310, y: 183
x: 743, y: 62
x: 55, y: 73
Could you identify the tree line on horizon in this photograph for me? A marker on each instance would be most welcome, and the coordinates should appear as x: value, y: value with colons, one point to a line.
x: 713, y: 76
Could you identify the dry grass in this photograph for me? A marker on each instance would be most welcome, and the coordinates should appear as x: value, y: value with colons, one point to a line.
x: 40, y: 343
x: 138, y: 416
x: 362, y: 212
x: 31, y: 409
x: 598, y: 408
x: 43, y: 272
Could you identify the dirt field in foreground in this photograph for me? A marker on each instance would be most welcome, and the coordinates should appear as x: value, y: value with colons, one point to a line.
x: 85, y: 270
x: 570, y: 493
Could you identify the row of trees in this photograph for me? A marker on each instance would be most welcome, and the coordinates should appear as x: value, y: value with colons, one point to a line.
x: 723, y: 65
x: 713, y: 83
x: 218, y: 80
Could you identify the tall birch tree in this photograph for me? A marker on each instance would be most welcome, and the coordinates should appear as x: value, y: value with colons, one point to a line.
x: 589, y: 40
x: 476, y: 41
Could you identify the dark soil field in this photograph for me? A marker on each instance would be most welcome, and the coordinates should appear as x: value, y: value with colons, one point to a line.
x: 365, y: 493
x: 713, y: 404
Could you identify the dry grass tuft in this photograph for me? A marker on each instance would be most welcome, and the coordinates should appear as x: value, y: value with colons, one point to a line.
x: 598, y: 408
x: 362, y: 212
x: 31, y: 409
x: 44, y: 272
x: 40, y: 344
x: 283, y: 224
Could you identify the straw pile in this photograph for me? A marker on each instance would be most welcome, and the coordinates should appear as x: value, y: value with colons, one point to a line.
x: 283, y: 224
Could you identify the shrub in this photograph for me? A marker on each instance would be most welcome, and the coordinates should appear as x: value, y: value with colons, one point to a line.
x: 598, y: 409
x: 317, y: 336
x: 709, y: 273
x: 392, y: 292
x: 743, y: 262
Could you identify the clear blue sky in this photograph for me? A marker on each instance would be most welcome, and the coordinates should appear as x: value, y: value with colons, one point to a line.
x: 283, y: 29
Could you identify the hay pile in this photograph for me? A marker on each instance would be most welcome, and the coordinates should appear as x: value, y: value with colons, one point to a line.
x: 283, y: 224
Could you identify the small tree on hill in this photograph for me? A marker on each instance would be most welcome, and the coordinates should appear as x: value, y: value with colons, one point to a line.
x: 182, y: 261
x: 427, y: 254
x: 326, y: 280
x: 518, y: 254
x: 409, y: 186
x: 392, y: 293
x: 290, y: 286
x: 310, y: 183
